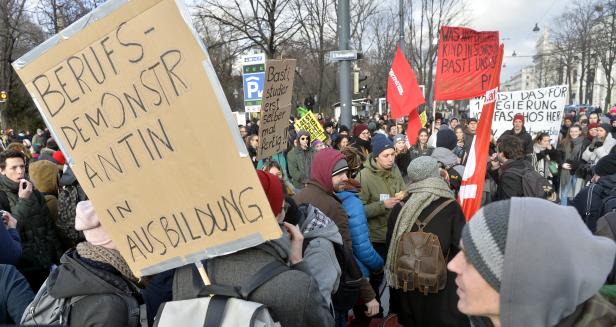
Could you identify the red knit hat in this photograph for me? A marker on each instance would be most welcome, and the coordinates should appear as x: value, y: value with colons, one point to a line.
x: 518, y: 117
x: 358, y: 129
x: 273, y: 189
x: 58, y: 156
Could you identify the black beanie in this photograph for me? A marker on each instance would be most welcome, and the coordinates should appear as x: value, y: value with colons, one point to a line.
x: 446, y: 138
x: 606, y: 165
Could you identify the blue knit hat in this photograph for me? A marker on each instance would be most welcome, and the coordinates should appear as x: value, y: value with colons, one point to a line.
x: 380, y: 143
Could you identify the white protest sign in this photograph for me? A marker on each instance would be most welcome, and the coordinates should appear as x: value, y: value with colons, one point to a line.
x: 542, y: 110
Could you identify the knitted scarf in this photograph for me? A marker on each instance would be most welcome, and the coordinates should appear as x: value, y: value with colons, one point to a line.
x: 423, y: 193
x: 112, y: 257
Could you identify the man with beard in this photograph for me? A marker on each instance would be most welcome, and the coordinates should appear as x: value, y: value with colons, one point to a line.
x: 329, y: 170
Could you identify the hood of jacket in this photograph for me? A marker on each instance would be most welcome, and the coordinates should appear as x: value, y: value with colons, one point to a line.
x: 607, y: 183
x: 317, y: 224
x: 322, y: 166
x: 572, y: 269
x: 44, y: 176
x: 74, y: 277
x: 445, y: 156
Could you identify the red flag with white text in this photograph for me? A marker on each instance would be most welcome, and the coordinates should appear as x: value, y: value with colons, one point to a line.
x: 473, y: 180
x: 465, y: 63
x: 403, y: 92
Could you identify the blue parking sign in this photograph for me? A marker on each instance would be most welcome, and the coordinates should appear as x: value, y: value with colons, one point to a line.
x: 253, y: 86
x: 253, y: 77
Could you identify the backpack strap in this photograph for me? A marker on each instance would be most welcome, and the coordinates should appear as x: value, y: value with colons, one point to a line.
x: 265, y: 274
x: 427, y: 220
x: 217, y: 304
x: 589, y: 201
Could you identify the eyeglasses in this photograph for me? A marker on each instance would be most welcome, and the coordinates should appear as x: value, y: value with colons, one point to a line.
x: 303, y: 138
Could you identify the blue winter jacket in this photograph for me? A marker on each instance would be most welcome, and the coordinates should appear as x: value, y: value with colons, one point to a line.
x: 10, y: 246
x: 366, y: 256
x: 15, y: 294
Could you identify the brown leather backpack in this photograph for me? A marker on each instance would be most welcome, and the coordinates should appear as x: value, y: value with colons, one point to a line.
x: 421, y: 265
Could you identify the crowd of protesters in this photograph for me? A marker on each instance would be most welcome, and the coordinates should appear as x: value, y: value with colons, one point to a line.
x: 353, y: 208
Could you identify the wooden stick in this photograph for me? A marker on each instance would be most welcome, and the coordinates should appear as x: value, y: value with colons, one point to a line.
x: 203, y: 273
x: 433, y: 112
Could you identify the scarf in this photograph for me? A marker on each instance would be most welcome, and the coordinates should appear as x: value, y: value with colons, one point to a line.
x: 423, y: 193
x: 112, y: 257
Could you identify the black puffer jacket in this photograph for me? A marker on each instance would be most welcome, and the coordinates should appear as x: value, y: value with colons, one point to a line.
x: 107, y: 293
x: 40, y: 244
x: 589, y: 202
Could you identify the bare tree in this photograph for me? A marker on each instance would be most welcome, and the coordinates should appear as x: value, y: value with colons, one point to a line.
x: 17, y: 35
x: 384, y: 32
x: 424, y: 22
x: 56, y: 15
x: 606, y: 45
x: 314, y: 39
x: 265, y: 24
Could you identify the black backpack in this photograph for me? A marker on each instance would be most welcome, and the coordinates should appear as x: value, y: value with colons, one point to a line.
x: 350, y: 279
x: 533, y: 184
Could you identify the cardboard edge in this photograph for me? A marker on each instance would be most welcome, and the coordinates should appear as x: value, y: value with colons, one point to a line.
x: 217, y: 251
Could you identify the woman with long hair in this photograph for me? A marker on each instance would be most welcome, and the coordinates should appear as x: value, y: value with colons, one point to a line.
x: 403, y: 155
x: 571, y: 148
x: 545, y: 158
x: 421, y: 147
x: 252, y: 142
x: 274, y: 168
x: 460, y: 145
x: 341, y: 142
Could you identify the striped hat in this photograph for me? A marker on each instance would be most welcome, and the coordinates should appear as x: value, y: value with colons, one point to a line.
x: 485, y: 238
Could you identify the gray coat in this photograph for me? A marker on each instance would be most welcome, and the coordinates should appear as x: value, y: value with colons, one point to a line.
x: 319, y: 254
x: 293, y: 296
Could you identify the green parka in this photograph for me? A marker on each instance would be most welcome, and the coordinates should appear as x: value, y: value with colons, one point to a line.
x: 377, y: 184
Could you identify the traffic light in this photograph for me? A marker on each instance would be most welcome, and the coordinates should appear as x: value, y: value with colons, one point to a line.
x: 4, y: 96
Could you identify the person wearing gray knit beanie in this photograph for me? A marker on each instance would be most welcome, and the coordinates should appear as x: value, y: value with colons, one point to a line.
x: 530, y: 262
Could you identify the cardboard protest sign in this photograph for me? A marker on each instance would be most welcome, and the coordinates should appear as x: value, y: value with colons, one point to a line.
x: 310, y: 124
x: 276, y: 107
x: 134, y: 101
x: 465, y: 63
x: 542, y: 109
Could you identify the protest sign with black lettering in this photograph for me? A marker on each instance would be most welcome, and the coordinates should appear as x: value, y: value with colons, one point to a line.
x: 135, y: 102
x: 542, y: 109
x: 310, y: 124
x: 276, y: 107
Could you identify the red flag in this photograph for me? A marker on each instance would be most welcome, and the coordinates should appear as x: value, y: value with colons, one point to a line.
x: 465, y: 64
x: 471, y: 190
x: 403, y: 92
x: 413, y: 127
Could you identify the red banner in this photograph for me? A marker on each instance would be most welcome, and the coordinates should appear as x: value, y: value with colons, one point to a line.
x: 413, y: 127
x: 403, y: 92
x: 465, y: 63
x: 473, y: 180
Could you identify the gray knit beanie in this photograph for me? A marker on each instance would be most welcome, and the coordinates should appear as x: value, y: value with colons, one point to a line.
x: 422, y: 168
x: 485, y: 238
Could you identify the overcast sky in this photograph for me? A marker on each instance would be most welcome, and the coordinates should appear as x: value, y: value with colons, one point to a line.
x: 515, y: 19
